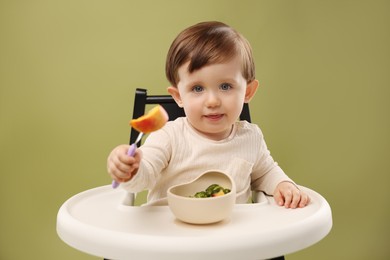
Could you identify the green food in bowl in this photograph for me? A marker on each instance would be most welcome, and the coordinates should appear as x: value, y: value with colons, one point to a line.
x: 214, y: 190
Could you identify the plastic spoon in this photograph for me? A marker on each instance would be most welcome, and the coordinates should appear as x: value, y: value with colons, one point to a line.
x: 152, y: 121
x: 130, y: 152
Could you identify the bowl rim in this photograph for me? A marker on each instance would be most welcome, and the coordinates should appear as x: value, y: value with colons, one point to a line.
x: 233, y: 187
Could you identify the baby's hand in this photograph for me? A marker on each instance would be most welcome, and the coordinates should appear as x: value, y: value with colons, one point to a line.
x: 120, y: 166
x: 288, y: 195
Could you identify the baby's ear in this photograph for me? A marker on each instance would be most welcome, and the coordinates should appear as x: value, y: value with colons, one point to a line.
x: 251, y: 89
x: 176, y: 95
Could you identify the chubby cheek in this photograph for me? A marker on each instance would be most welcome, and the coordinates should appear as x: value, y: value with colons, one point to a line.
x: 233, y: 109
x: 191, y: 113
x: 238, y: 110
x: 192, y: 107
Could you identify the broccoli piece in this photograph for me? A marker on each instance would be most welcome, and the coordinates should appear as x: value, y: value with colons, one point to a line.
x: 212, y: 191
x: 201, y: 194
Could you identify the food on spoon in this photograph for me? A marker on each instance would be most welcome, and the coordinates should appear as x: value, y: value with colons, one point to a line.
x: 152, y: 121
x: 213, y: 190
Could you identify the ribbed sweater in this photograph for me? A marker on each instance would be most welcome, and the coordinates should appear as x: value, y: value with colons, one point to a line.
x: 177, y: 154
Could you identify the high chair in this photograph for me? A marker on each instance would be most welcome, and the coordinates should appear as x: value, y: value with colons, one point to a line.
x: 99, y: 222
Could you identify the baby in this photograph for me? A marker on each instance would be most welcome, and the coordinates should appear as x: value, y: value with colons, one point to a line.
x: 212, y: 74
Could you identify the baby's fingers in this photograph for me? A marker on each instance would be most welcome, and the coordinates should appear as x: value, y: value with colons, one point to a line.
x: 278, y: 197
x: 296, y: 198
x: 305, y: 200
x: 119, y: 171
x: 289, y: 198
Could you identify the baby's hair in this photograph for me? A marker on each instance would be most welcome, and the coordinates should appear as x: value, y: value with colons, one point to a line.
x: 208, y: 43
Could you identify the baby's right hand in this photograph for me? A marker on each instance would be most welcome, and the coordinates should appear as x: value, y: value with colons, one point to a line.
x: 122, y: 167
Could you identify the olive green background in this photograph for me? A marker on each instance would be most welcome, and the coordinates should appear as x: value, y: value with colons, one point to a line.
x: 68, y: 71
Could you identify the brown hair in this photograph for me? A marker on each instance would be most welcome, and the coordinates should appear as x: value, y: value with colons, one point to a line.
x: 208, y: 43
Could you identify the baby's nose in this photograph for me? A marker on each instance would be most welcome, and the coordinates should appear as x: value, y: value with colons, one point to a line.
x: 213, y: 100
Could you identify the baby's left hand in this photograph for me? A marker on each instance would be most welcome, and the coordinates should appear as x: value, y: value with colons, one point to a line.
x: 288, y: 195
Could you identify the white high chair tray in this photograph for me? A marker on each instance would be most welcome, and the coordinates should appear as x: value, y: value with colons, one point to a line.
x: 96, y: 222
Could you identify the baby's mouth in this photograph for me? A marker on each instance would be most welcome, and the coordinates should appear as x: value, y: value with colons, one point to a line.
x: 214, y: 116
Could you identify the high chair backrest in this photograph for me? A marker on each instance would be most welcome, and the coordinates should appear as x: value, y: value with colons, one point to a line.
x: 142, y: 99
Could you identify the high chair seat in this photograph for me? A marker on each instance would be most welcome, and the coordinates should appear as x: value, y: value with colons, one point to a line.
x: 97, y: 223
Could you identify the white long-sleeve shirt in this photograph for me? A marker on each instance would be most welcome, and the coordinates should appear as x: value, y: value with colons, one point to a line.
x: 177, y: 154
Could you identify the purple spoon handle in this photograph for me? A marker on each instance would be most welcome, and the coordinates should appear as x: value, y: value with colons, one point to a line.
x: 130, y: 152
x: 132, y: 149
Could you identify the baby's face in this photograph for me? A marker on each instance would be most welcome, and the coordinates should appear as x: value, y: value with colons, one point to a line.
x: 213, y: 97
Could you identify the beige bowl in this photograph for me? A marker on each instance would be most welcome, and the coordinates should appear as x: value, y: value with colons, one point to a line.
x: 202, y: 210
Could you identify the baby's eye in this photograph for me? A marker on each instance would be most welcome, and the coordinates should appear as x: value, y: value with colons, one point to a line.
x: 225, y: 86
x: 197, y: 88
